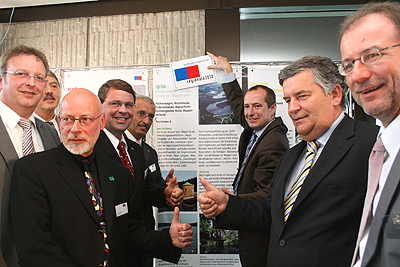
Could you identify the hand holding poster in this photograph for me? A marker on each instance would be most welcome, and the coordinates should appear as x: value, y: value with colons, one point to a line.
x: 193, y: 72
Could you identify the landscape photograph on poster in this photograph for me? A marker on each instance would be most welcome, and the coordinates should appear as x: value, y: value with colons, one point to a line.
x: 213, y: 105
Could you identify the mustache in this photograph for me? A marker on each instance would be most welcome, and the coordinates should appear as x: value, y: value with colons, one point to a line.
x: 144, y: 125
x: 49, y: 96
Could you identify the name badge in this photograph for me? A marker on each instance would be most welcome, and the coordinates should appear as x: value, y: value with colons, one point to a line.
x: 152, y: 167
x: 121, y: 209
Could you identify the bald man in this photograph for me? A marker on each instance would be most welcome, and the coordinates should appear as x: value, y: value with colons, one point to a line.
x: 79, y: 204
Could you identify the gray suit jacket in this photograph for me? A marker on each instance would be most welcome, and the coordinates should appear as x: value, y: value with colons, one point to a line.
x: 383, y: 246
x: 8, y: 154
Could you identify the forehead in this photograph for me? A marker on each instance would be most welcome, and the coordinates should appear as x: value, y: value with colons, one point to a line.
x: 117, y: 94
x: 77, y: 106
x: 300, y: 82
x: 257, y: 96
x: 26, y: 62
x: 372, y: 31
x: 145, y: 106
x: 51, y: 80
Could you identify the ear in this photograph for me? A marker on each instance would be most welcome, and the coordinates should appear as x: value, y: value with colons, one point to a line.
x: 337, y: 95
x: 273, y: 110
x: 103, y: 121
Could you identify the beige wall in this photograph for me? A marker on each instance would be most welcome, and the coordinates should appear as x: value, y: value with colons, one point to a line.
x: 150, y: 38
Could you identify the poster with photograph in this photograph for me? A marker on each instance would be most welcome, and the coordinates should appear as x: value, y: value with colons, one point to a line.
x: 197, y: 135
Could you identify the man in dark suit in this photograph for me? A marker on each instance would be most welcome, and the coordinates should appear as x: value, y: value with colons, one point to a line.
x: 255, y: 111
x: 118, y: 98
x: 142, y: 120
x: 314, y: 207
x: 80, y: 206
x: 370, y: 61
x: 23, y: 71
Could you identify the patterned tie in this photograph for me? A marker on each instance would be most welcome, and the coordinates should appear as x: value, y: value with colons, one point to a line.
x: 312, y: 148
x: 124, y: 158
x: 246, y: 155
x: 27, y: 141
x: 376, y: 160
x: 97, y: 204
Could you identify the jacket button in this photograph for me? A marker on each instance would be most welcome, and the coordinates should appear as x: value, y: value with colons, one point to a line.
x: 282, y: 243
x: 100, y: 233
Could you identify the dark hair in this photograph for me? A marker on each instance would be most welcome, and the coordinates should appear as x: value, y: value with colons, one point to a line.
x: 52, y: 74
x: 270, y: 97
x: 22, y: 50
x: 388, y: 9
x: 325, y: 73
x: 116, y: 84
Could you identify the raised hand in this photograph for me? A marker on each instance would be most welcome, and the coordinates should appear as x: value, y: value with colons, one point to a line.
x: 181, y: 233
x: 221, y: 63
x: 212, y: 201
x: 173, y: 194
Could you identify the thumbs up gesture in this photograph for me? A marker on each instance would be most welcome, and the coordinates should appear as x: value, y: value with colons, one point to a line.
x: 181, y: 234
x: 213, y: 201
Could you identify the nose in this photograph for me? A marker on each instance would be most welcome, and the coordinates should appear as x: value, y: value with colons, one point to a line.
x: 30, y: 81
x: 76, y: 126
x: 293, y: 106
x: 250, y: 110
x: 122, y: 109
x: 360, y: 73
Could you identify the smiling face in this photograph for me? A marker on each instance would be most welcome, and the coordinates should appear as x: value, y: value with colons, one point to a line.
x: 311, y: 111
x: 375, y: 87
x: 51, y: 95
x: 140, y: 126
x: 118, y: 119
x: 256, y: 110
x: 78, y: 139
x: 22, y: 95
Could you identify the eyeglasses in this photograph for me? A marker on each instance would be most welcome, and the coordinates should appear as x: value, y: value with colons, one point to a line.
x: 25, y: 75
x: 118, y: 104
x: 369, y: 57
x: 143, y: 115
x: 85, y: 121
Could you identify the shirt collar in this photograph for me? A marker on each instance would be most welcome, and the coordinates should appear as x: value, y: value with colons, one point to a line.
x: 259, y: 132
x: 114, y: 140
x: 323, y: 139
x: 11, y: 118
x: 389, y: 134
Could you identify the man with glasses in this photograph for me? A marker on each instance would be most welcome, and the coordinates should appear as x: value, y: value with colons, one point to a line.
x: 370, y: 48
x: 73, y: 206
x: 313, y: 209
x: 23, y: 78
x: 45, y: 110
x: 143, y: 117
x: 118, y: 101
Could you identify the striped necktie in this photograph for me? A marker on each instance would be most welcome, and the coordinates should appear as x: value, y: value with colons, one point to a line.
x: 124, y: 157
x: 27, y: 141
x: 312, y: 148
x: 246, y: 155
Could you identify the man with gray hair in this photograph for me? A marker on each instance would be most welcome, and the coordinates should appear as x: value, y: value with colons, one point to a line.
x: 23, y: 78
x: 370, y: 48
x: 314, y: 207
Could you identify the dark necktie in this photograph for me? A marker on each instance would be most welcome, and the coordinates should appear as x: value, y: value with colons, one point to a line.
x: 97, y: 204
x: 124, y: 158
x: 246, y: 155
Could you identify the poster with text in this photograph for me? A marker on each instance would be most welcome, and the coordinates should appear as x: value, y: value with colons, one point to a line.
x: 93, y: 79
x: 197, y: 135
x: 268, y: 76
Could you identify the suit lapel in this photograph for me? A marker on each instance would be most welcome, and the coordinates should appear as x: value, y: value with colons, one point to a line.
x: 289, y: 161
x: 107, y: 182
x: 45, y: 136
x: 146, y: 152
x: 74, y: 176
x: 335, y: 149
x: 7, y: 149
x: 390, y: 188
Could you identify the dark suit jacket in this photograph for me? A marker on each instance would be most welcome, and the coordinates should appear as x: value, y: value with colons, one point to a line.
x: 384, y: 237
x: 144, y: 195
x: 322, y: 227
x: 49, y: 139
x: 258, y: 170
x: 155, y: 184
x: 54, y: 221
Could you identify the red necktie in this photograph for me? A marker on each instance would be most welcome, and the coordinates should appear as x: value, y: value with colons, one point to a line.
x: 124, y: 158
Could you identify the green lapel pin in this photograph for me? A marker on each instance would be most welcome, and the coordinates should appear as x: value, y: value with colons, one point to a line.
x: 111, y: 178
